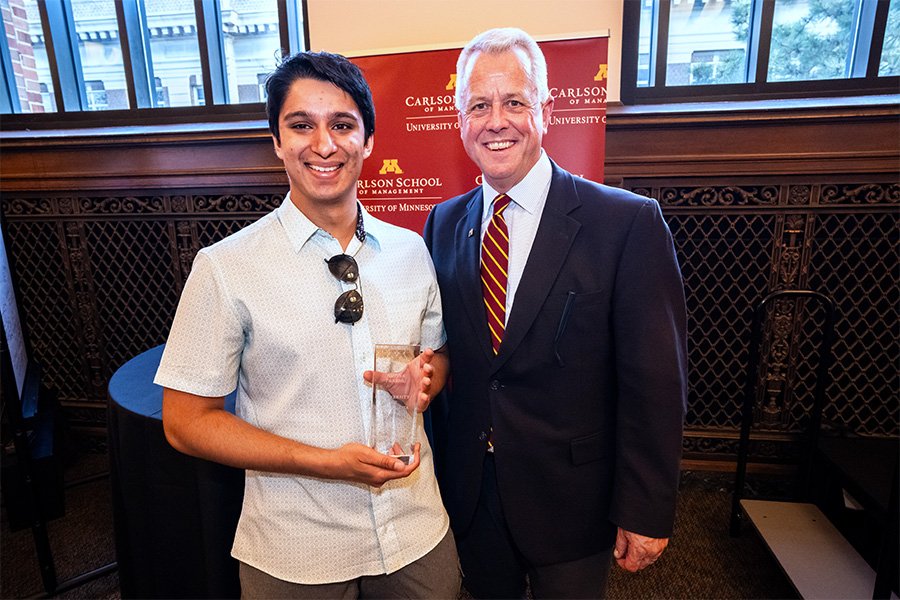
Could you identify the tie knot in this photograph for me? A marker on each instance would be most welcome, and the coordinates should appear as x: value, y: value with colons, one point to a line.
x: 500, y: 203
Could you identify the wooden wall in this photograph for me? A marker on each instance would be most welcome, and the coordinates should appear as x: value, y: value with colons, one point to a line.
x: 102, y: 227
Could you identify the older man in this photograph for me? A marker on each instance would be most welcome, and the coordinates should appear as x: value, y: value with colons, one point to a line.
x: 560, y: 436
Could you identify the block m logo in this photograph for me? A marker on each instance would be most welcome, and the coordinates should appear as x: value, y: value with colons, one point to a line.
x: 390, y: 166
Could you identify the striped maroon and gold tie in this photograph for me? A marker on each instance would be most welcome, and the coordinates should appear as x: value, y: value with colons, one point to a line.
x: 494, y: 264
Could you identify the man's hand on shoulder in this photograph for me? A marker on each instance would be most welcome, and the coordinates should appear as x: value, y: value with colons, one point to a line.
x: 634, y: 551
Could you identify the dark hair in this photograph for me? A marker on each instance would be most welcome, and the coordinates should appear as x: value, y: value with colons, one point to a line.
x: 323, y: 66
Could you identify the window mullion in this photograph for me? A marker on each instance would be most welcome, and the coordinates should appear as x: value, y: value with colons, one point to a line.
x: 285, y: 13
x: 59, y: 32
x: 876, y: 41
x: 9, y: 92
x: 135, y: 52
x: 305, y: 9
x: 631, y: 43
x: 289, y: 18
x: 858, y: 56
x: 763, y: 17
x: 212, y: 50
x: 659, y: 43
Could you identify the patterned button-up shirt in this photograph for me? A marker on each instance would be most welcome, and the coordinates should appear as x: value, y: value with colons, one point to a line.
x: 257, y: 313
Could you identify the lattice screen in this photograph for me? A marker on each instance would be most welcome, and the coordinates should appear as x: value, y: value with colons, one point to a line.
x: 738, y: 243
x: 99, y: 279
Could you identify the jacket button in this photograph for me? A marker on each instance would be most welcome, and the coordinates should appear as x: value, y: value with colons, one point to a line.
x: 495, y: 385
x: 482, y: 436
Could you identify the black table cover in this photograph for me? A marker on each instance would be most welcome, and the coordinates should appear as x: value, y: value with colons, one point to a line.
x: 174, y: 515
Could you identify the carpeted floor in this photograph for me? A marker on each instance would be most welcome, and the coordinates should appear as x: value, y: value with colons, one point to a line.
x: 80, y: 541
x: 702, y: 561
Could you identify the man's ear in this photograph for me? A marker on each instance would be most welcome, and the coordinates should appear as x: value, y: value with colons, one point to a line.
x: 546, y: 111
x: 278, y: 151
x: 369, y: 145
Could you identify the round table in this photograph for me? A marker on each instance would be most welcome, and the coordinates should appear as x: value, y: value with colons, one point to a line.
x: 174, y: 515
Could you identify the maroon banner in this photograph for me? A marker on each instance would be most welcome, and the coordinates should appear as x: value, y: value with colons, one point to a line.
x: 419, y: 160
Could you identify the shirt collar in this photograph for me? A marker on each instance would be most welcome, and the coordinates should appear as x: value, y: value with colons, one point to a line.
x: 528, y: 193
x: 300, y: 229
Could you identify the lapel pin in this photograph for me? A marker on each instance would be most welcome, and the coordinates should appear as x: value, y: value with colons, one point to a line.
x: 471, y: 233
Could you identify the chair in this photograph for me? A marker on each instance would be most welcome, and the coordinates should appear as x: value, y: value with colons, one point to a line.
x: 33, y: 487
x: 814, y: 554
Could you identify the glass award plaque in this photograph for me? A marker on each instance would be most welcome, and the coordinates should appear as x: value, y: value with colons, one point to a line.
x: 394, y: 393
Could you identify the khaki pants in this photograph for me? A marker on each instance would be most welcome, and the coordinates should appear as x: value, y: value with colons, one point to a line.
x: 435, y: 575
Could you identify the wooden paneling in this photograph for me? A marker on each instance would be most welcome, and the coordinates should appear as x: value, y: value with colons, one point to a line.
x: 122, y: 160
x: 752, y: 141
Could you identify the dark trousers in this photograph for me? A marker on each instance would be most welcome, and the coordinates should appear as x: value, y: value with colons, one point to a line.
x: 494, y: 568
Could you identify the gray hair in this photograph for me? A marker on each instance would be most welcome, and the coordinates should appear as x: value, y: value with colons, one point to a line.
x: 497, y: 41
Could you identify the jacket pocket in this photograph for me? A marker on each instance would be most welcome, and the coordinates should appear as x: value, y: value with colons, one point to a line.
x: 587, y: 448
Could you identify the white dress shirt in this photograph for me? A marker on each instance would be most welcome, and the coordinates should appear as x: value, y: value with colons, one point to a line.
x: 522, y: 216
x: 257, y: 313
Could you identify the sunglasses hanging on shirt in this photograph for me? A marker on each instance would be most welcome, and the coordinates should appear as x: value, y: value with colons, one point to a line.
x: 348, y: 308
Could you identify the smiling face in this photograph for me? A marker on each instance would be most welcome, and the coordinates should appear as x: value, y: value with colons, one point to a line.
x: 502, y: 122
x: 322, y: 144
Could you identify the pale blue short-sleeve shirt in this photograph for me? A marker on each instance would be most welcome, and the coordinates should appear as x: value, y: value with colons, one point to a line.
x: 257, y: 313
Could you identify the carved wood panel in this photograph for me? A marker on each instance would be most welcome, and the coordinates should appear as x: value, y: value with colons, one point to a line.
x: 738, y: 243
x: 99, y: 278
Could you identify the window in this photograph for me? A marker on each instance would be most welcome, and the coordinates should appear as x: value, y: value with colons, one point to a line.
x: 261, y: 86
x: 174, y: 49
x: 197, y: 97
x: 812, y: 40
x: 890, y: 50
x: 689, y: 50
x: 716, y: 66
x: 710, y: 47
x: 28, y: 86
x: 99, y: 54
x: 249, y: 31
x: 141, y: 61
x: 97, y: 98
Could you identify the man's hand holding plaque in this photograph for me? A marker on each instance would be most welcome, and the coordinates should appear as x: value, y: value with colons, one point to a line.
x: 401, y: 385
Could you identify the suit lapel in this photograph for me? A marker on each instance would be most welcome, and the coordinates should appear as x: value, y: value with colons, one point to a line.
x: 554, y: 237
x: 468, y: 270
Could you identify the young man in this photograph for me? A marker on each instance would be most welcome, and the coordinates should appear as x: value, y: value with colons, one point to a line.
x: 289, y: 310
x: 565, y: 317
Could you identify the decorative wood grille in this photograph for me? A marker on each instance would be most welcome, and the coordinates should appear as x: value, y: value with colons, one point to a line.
x: 738, y: 243
x: 99, y: 279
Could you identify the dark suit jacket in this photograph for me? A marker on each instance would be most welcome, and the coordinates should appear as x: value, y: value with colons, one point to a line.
x: 586, y: 397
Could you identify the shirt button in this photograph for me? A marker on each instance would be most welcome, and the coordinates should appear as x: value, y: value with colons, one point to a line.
x: 482, y: 436
x: 495, y: 385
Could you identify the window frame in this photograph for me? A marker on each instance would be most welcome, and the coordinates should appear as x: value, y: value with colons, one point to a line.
x: 865, y: 56
x: 68, y: 78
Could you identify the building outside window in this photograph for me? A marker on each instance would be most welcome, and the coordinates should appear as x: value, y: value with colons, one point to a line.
x: 97, y: 97
x: 251, y: 42
x: 707, y: 42
x: 176, y: 49
x: 198, y: 98
x: 716, y: 66
x: 100, y: 54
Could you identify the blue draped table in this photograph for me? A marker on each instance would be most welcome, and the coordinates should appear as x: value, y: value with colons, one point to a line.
x: 174, y: 515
